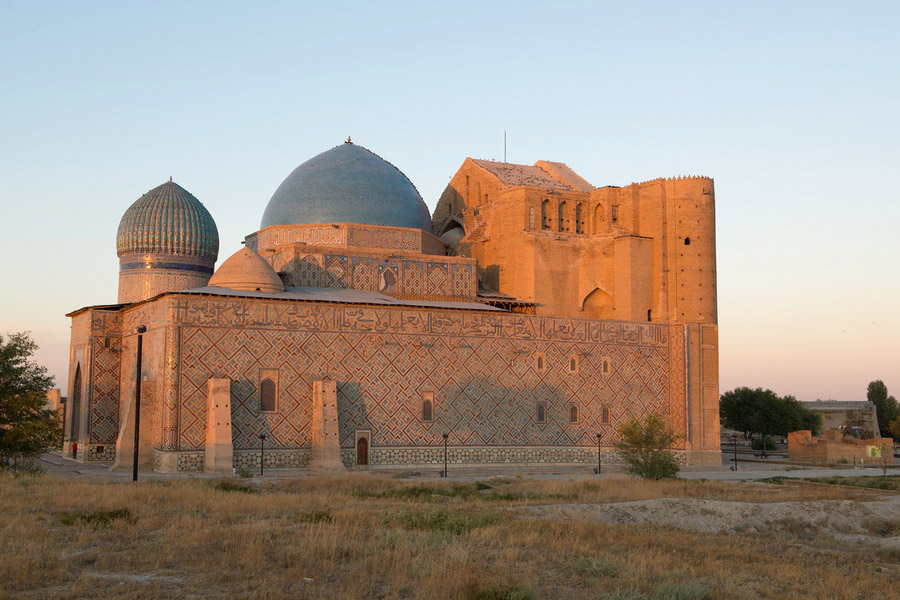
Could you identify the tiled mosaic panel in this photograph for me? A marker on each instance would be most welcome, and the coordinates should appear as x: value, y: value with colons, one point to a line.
x: 275, y: 459
x: 106, y: 322
x: 105, y: 452
x: 481, y: 368
x: 104, y: 411
x: 401, y: 239
x: 325, y: 235
x: 190, y: 461
x: 415, y: 277
x: 475, y: 455
x: 364, y: 236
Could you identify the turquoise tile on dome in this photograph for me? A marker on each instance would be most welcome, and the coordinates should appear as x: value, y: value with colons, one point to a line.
x: 347, y: 184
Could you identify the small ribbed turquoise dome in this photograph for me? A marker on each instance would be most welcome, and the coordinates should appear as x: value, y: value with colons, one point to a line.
x: 347, y: 184
x: 168, y: 220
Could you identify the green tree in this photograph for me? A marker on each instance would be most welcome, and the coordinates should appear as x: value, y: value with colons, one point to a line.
x: 763, y: 412
x: 886, y: 406
x: 645, y: 447
x: 27, y: 426
x: 793, y: 416
x: 895, y: 428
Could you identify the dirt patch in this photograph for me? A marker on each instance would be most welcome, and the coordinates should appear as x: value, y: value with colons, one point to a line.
x: 842, y: 519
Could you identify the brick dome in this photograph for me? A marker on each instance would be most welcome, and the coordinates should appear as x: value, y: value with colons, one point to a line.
x: 247, y: 270
x: 347, y: 184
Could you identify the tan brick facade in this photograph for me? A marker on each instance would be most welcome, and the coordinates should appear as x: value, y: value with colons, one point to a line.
x: 546, y: 312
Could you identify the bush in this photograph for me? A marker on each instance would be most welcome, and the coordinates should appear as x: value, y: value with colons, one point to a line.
x: 508, y: 591
x: 667, y: 591
x: 595, y: 567
x: 690, y: 591
x: 644, y: 446
x: 438, y: 519
x: 22, y: 465
x: 882, y: 527
x: 766, y: 442
x: 228, y: 485
x: 316, y: 516
x: 95, y: 519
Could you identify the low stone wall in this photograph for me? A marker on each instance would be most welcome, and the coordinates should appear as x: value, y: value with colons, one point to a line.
x: 834, y: 447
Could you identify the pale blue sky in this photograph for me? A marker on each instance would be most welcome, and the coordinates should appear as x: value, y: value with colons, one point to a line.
x: 791, y: 106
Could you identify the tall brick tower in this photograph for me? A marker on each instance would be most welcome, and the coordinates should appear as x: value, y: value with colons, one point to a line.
x: 645, y: 252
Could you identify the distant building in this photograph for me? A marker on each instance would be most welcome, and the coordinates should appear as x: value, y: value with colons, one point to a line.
x: 856, y: 418
x: 56, y: 402
x: 837, y: 447
x: 529, y: 314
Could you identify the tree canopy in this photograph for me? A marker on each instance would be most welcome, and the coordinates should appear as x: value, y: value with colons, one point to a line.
x: 886, y: 407
x: 644, y: 446
x: 27, y: 426
x: 763, y: 412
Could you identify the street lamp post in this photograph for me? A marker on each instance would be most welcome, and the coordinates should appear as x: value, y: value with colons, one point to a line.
x: 599, y: 461
x: 262, y: 452
x: 734, y: 441
x: 137, y: 403
x: 446, y: 435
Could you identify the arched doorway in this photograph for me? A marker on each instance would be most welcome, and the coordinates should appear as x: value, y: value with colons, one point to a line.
x: 75, y: 426
x: 362, y: 451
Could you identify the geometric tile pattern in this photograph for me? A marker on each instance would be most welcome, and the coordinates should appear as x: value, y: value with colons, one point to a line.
x: 480, y: 368
x: 365, y: 236
x: 432, y: 277
x: 401, y: 239
x: 104, y: 413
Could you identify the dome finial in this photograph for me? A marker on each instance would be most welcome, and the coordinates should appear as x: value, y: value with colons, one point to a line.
x: 170, y: 179
x: 348, y: 140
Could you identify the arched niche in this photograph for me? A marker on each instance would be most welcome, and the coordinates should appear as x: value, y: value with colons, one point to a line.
x: 598, y: 304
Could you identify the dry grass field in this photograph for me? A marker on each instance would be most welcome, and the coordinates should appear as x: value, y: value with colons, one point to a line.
x: 368, y: 536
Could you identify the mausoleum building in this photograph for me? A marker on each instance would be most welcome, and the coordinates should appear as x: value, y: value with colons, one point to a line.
x: 530, y: 313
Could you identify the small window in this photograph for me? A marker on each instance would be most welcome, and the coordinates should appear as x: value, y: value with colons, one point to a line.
x: 428, y: 407
x: 649, y: 314
x: 573, y: 414
x: 573, y: 363
x: 687, y: 241
x: 562, y: 220
x: 532, y: 218
x: 606, y: 365
x: 614, y: 213
x: 546, y: 217
x: 598, y: 218
x: 604, y: 415
x: 541, y: 412
x: 540, y: 363
x: 579, y: 217
x: 267, y: 391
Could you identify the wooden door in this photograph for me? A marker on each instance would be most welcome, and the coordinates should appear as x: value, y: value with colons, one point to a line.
x: 362, y: 451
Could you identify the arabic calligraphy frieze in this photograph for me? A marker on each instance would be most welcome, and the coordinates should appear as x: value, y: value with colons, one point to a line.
x: 324, y: 318
x: 314, y: 236
x: 104, y: 322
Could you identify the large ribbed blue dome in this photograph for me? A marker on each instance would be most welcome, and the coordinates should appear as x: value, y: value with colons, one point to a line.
x: 168, y: 220
x: 347, y: 184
